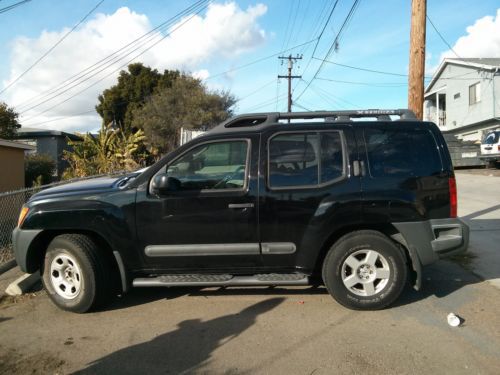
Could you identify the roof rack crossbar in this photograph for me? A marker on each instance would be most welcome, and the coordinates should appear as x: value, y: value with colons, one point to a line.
x: 346, y: 115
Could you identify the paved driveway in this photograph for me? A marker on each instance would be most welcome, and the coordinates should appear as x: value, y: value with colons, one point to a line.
x: 282, y: 331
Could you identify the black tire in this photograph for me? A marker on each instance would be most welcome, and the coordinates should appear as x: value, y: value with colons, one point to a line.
x: 74, y: 274
x: 390, y: 262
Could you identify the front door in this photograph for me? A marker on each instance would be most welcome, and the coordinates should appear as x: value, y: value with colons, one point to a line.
x: 209, y: 224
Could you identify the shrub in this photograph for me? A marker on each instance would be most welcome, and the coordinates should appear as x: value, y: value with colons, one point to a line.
x: 38, y: 169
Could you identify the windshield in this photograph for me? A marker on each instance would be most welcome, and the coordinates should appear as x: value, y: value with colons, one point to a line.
x: 492, y: 138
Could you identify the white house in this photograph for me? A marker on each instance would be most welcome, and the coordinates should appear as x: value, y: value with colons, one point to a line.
x: 463, y: 97
x: 187, y: 135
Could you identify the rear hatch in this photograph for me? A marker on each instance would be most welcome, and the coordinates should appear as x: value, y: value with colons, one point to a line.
x: 491, y: 143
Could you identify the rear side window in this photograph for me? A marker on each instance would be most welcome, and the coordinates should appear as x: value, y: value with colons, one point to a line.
x: 305, y: 159
x: 398, y: 153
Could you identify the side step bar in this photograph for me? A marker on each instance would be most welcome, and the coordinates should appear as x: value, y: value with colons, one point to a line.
x: 223, y: 280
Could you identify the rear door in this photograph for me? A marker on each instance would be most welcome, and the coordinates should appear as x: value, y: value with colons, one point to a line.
x: 307, y: 190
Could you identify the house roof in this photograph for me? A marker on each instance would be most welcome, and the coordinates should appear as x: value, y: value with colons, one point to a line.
x: 25, y: 132
x: 11, y: 144
x: 486, y: 63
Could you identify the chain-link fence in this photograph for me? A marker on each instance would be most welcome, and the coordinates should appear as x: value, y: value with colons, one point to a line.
x: 10, y: 207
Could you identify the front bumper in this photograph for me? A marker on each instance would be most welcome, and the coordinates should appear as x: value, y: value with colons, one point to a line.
x: 23, y: 251
x: 435, y: 239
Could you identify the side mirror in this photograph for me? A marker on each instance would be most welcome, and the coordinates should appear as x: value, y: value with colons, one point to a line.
x: 164, y: 184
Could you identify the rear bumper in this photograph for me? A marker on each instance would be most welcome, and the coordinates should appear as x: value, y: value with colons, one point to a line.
x: 435, y: 239
x: 489, y: 157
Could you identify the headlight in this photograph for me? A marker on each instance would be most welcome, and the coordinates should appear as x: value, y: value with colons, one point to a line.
x: 22, y: 216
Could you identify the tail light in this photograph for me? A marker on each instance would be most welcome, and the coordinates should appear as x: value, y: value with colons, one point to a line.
x: 498, y: 148
x: 453, y: 196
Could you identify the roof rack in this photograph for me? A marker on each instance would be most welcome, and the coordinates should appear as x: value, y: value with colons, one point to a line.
x: 263, y: 119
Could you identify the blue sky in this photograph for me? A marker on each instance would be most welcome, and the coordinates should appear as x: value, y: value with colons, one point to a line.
x: 377, y: 38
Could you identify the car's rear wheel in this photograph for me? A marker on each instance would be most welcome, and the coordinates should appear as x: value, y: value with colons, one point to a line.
x: 365, y: 270
x: 74, y: 273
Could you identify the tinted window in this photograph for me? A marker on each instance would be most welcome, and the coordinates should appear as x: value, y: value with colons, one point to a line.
x: 402, y: 154
x: 332, y: 160
x: 306, y: 159
x: 218, y: 165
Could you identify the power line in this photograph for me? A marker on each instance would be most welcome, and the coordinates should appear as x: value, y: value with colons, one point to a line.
x: 110, y: 60
x: 302, y: 107
x: 256, y: 91
x: 264, y: 103
x: 441, y: 36
x: 51, y: 48
x: 6, y: 9
x: 337, y: 98
x: 61, y: 118
x: 333, y: 46
x: 128, y: 101
x: 319, y: 37
x: 324, y: 27
x: 363, y: 69
x: 453, y: 78
x: 114, y: 71
x: 292, y: 29
x: 374, y: 84
x: 260, y: 60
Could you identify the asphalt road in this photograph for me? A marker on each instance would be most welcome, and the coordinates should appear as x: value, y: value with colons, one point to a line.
x: 279, y: 331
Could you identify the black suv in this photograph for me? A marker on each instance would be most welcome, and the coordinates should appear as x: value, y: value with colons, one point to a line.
x: 262, y: 199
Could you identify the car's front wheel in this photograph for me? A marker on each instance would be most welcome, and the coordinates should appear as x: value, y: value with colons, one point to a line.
x: 365, y: 270
x: 74, y: 273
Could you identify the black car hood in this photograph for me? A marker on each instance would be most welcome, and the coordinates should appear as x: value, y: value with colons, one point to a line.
x: 93, y: 185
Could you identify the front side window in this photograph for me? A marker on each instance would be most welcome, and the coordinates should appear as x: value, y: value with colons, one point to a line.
x: 212, y: 166
x: 305, y: 159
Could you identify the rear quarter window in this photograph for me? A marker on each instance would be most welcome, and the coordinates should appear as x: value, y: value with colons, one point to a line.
x: 400, y: 153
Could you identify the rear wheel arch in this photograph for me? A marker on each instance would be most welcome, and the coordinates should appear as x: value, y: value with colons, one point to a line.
x: 387, y: 230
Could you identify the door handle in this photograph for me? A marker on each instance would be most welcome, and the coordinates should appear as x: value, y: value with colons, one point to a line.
x: 240, y: 205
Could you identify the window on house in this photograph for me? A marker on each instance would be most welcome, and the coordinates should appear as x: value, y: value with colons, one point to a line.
x: 456, y: 96
x: 474, y: 93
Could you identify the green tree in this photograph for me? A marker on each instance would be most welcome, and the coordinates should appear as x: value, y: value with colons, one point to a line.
x: 8, y: 122
x: 186, y: 103
x: 109, y: 151
x: 38, y: 169
x: 134, y: 86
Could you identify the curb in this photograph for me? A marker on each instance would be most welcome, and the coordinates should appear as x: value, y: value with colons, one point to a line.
x: 7, y: 266
x: 23, y: 284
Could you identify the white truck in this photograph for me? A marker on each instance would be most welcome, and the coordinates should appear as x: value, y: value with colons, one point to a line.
x: 490, y: 147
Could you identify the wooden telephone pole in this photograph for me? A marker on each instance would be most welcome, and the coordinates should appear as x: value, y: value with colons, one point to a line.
x: 291, y: 60
x: 417, y: 57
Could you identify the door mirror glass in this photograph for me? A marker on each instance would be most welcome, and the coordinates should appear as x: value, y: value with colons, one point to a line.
x: 164, y: 184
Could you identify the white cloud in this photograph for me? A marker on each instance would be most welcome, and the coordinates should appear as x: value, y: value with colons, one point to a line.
x: 482, y: 39
x: 224, y: 32
x: 201, y: 74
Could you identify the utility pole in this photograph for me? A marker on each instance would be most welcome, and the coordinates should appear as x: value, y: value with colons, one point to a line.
x: 417, y: 57
x: 291, y: 60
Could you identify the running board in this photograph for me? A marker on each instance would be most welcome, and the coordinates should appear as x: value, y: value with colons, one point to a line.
x: 223, y: 280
